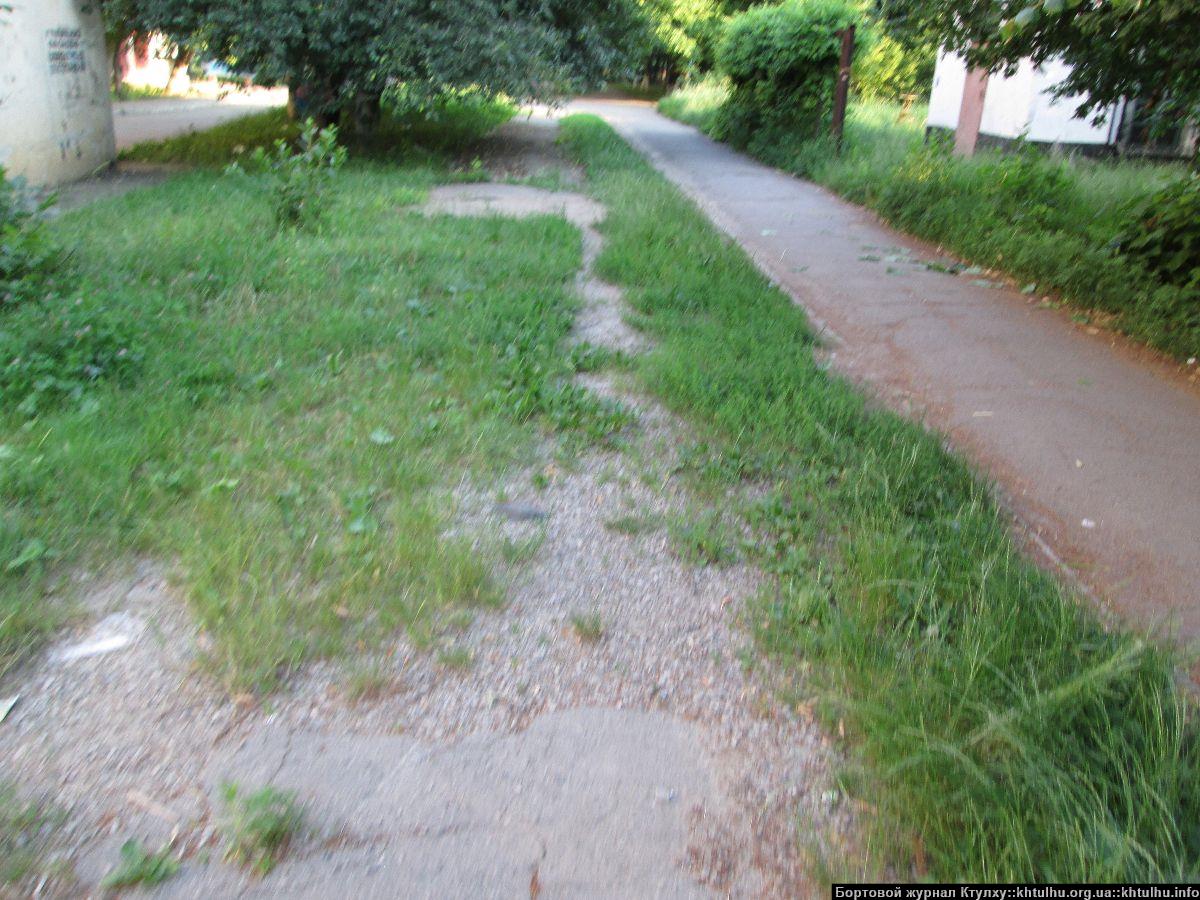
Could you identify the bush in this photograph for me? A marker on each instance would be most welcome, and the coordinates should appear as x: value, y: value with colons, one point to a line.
x: 781, y: 62
x: 27, y: 257
x: 884, y: 69
x: 1165, y: 240
x: 56, y: 349
x: 297, y: 179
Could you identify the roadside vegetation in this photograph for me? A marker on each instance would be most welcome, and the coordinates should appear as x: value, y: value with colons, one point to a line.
x: 1062, y: 228
x: 997, y: 732
x: 411, y: 126
x: 278, y: 411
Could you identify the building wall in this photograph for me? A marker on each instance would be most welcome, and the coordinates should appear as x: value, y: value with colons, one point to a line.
x: 147, y: 62
x: 55, y: 114
x: 945, y: 98
x: 1017, y: 105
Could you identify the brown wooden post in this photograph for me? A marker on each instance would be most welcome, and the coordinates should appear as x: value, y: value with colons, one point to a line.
x: 841, y: 91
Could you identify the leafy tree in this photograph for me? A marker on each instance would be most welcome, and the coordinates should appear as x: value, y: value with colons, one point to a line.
x: 683, y: 34
x: 124, y: 20
x: 1149, y: 49
x: 339, y: 56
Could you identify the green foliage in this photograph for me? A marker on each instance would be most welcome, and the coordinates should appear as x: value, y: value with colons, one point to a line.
x: 58, y: 348
x: 298, y: 179
x: 26, y: 828
x: 220, y: 145
x: 684, y: 34
x: 340, y: 57
x: 705, y: 539
x: 27, y: 256
x: 296, y: 406
x: 1165, y: 237
x: 781, y: 62
x: 139, y: 866
x: 989, y: 714
x: 1113, y: 48
x: 588, y: 627
x: 414, y: 125
x: 885, y: 69
x: 260, y: 826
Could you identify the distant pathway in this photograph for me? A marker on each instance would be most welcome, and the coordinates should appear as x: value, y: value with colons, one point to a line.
x: 1094, y: 441
x: 153, y: 120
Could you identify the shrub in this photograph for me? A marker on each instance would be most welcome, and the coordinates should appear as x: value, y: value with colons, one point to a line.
x: 884, y: 69
x: 782, y: 65
x: 297, y: 178
x: 56, y: 348
x: 1165, y: 239
x: 27, y: 256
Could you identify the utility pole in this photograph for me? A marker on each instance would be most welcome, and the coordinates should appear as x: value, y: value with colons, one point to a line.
x: 841, y: 92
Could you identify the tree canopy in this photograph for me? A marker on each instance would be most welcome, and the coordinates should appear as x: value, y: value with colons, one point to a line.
x: 343, y: 53
x: 1148, y: 49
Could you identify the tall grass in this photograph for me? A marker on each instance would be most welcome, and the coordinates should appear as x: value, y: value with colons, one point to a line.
x: 1050, y: 223
x: 997, y: 729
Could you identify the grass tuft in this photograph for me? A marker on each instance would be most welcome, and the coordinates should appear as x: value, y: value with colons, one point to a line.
x: 139, y: 866
x: 260, y: 826
x: 26, y: 829
x: 588, y: 627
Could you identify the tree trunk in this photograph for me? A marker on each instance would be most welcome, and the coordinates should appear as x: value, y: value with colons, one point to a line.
x: 361, y: 116
x: 182, y: 59
x: 117, y: 74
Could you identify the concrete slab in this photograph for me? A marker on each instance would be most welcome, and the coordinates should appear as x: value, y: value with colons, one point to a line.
x: 586, y: 802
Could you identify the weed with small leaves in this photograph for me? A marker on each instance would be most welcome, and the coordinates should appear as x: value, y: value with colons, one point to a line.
x: 141, y: 867
x: 260, y: 826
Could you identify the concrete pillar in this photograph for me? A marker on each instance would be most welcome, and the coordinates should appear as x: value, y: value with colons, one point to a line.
x: 55, y: 112
x: 970, y: 113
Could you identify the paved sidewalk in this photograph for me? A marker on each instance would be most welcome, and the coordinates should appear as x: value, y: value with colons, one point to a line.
x: 1094, y: 441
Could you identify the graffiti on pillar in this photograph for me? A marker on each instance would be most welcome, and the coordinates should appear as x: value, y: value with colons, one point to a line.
x: 65, y: 49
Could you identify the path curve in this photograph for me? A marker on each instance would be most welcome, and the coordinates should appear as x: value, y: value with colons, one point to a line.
x: 1092, y: 439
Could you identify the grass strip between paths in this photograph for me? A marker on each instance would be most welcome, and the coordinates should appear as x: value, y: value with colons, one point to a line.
x: 997, y: 729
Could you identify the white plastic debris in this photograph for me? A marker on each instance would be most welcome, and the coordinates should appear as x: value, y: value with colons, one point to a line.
x: 1088, y: 523
x: 6, y: 705
x: 111, y: 633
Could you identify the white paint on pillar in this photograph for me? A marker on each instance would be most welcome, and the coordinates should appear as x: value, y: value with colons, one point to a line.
x: 55, y: 112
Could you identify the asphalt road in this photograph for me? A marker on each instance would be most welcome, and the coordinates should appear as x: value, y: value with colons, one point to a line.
x: 151, y: 120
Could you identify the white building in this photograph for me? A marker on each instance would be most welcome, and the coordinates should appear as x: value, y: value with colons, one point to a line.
x: 55, y: 113
x: 1021, y: 105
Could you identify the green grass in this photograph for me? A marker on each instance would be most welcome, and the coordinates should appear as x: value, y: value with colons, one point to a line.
x: 588, y: 627
x: 141, y: 867
x: 26, y: 829
x: 259, y: 827
x: 293, y: 409
x: 219, y: 145
x: 138, y: 92
x: 1048, y: 223
x: 988, y: 714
